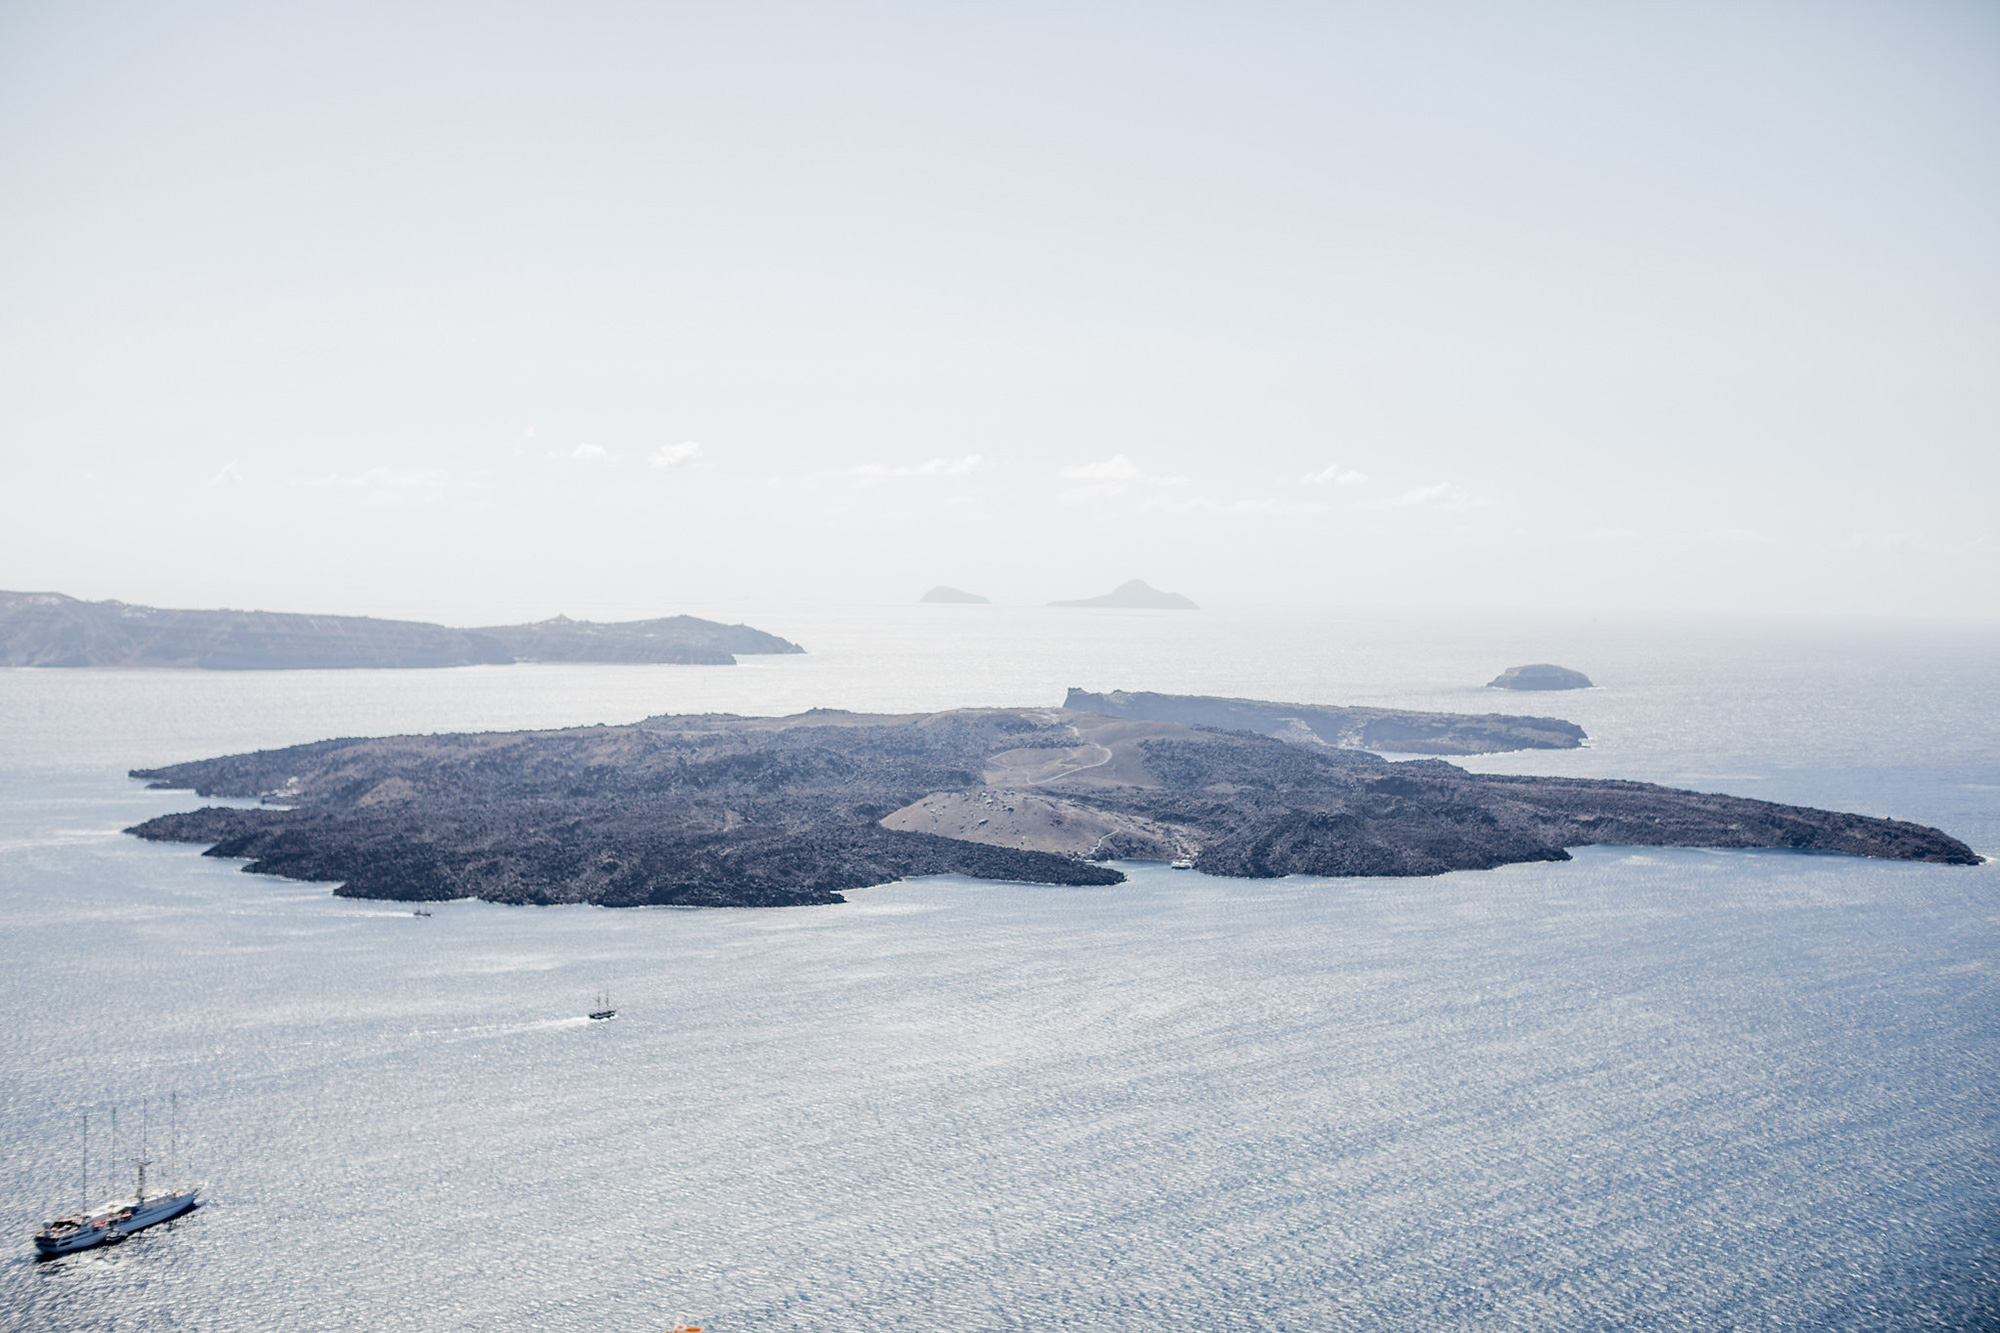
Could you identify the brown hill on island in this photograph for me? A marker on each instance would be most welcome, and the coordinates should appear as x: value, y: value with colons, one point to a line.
x: 731, y: 811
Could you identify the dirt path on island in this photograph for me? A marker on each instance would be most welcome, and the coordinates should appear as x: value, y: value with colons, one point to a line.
x: 1005, y: 811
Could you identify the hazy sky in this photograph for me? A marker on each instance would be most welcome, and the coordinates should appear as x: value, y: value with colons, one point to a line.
x: 471, y: 310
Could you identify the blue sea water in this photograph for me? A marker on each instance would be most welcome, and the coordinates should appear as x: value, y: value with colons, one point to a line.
x: 1647, y: 1088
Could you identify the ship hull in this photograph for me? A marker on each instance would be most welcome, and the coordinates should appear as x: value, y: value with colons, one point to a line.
x: 111, y: 1224
x: 69, y: 1240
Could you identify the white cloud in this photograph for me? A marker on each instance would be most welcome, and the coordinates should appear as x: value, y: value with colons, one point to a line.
x: 231, y: 473
x: 869, y: 473
x: 1886, y: 542
x: 389, y: 486
x: 586, y: 453
x: 1209, y: 504
x: 1735, y: 537
x: 383, y: 478
x: 1116, y: 476
x: 675, y: 455
x: 1333, y: 475
x: 1443, y: 498
x: 1116, y: 468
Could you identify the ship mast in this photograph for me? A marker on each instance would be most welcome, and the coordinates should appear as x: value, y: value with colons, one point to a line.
x: 139, y: 1193
x: 85, y: 1206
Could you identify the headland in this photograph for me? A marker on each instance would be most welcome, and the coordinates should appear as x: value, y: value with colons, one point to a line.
x: 48, y: 629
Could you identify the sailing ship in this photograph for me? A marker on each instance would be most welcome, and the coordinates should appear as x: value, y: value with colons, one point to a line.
x: 604, y: 1009
x: 113, y: 1221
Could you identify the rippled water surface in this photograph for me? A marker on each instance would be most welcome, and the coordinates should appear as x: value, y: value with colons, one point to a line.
x: 1645, y: 1088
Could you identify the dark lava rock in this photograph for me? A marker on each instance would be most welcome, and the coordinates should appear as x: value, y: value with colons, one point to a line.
x: 1539, y: 676
x: 762, y: 812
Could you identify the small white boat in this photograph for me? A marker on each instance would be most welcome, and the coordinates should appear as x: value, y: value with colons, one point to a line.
x: 1183, y: 864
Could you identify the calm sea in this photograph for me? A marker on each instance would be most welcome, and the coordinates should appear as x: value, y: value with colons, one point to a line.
x: 1646, y: 1089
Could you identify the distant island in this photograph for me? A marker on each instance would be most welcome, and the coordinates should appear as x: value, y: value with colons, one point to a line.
x: 763, y: 812
x: 1137, y: 595
x: 1540, y: 676
x: 48, y: 629
x: 941, y: 593
x: 1355, y: 728
x: 680, y: 639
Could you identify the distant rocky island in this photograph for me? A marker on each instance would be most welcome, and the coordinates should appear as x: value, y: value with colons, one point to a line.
x: 51, y: 630
x: 1137, y: 595
x: 941, y: 593
x: 679, y: 639
x: 1354, y: 728
x: 1539, y: 676
x: 721, y: 810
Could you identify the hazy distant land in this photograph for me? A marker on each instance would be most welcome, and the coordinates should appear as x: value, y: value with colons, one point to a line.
x: 1137, y: 595
x: 52, y: 630
x: 946, y: 594
x: 732, y: 811
x: 684, y: 639
x: 1392, y: 729
x: 1540, y: 676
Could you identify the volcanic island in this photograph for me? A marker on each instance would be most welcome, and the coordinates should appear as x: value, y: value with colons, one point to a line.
x: 728, y: 811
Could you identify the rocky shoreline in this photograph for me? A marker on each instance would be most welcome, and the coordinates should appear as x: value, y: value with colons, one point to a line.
x: 753, y: 812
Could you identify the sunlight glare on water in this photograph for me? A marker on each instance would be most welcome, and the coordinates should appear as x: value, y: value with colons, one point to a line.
x: 1645, y: 1088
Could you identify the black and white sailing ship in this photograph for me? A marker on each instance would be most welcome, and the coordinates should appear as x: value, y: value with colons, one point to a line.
x: 113, y: 1221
